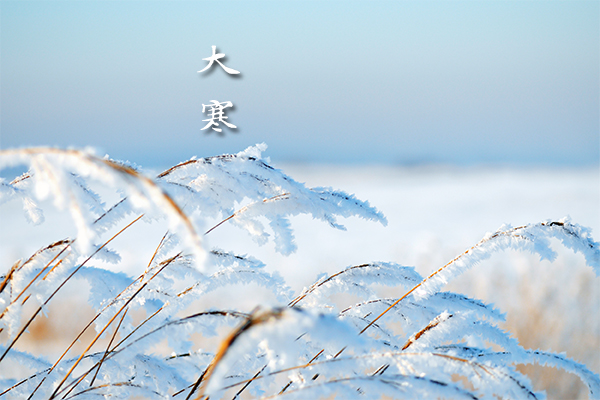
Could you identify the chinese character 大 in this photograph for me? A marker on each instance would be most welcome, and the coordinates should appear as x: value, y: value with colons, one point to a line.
x: 215, y: 57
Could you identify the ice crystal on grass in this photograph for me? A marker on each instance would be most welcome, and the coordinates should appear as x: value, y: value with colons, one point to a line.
x: 160, y: 334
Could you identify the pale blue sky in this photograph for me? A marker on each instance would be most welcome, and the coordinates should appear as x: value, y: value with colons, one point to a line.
x: 468, y: 82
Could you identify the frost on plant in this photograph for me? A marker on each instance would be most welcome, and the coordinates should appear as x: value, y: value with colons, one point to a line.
x: 414, y: 345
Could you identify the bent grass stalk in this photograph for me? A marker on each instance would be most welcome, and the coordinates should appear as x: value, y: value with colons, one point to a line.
x: 415, y: 337
x: 390, y: 355
x: 116, y: 167
x: 12, y: 343
x: 113, y: 301
x: 246, y: 182
x: 112, y: 338
x: 497, y: 234
x: 164, y: 264
x: 243, y: 209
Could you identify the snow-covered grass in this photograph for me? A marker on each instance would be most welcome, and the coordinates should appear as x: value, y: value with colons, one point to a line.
x: 318, y: 314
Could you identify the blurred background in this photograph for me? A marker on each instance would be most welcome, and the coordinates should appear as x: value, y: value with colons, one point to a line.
x: 452, y: 118
x: 353, y: 82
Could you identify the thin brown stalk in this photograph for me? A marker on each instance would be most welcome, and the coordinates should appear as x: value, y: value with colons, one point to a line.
x: 316, y: 285
x: 160, y: 244
x: 90, y: 324
x: 40, y: 273
x: 395, y: 303
x: 177, y: 393
x: 9, y: 276
x: 249, y: 382
x: 106, y: 307
x: 206, y: 160
x: 33, y: 280
x: 312, y: 360
x: 18, y: 179
x: 125, y: 170
x: 109, y: 210
x: 25, y: 299
x: 254, y: 319
x: 74, y: 384
x: 95, y: 365
x: 312, y: 363
x: 99, y: 363
x: 435, y: 322
x: 164, y: 265
x: 319, y: 284
x: 147, y: 181
x: 60, y: 287
x: 173, y: 168
x: 497, y: 234
x: 241, y: 210
x: 136, y: 328
x: 54, y: 267
x: 117, y: 384
x: 36, y: 388
x: 108, y: 347
x: 114, y: 350
x: 380, y: 370
x: 18, y: 266
x: 17, y: 385
x: 312, y: 289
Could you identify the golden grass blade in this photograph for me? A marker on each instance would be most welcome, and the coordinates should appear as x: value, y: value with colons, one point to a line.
x: 435, y: 322
x: 9, y: 276
x: 164, y: 265
x: 106, y: 306
x: 95, y: 365
x: 21, y: 178
x: 114, y: 350
x: 249, y: 382
x: 318, y: 284
x: 11, y: 272
x: 19, y: 384
x: 61, y: 285
x: 90, y: 324
x: 281, y: 196
x: 312, y: 360
x: 170, y: 202
x: 363, y: 356
x: 108, y: 347
x: 254, y: 319
x: 36, y: 388
x: 99, y: 363
x: 105, y: 385
x: 136, y: 328
x: 122, y: 170
x: 160, y: 244
x: 395, y: 303
x: 18, y: 265
x: 41, y: 272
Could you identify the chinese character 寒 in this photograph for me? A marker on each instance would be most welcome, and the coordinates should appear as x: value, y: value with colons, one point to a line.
x: 217, y: 113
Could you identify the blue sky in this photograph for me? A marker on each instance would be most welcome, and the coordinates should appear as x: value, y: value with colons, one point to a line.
x: 511, y: 82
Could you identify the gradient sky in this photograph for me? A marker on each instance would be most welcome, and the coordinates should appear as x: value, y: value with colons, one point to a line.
x: 511, y: 82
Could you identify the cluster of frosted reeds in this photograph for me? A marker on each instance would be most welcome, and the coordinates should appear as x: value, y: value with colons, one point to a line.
x: 424, y: 343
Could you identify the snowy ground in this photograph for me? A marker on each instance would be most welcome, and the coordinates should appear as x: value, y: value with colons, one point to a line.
x: 435, y: 210
x: 434, y: 214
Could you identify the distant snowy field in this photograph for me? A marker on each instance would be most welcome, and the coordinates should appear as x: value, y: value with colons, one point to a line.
x: 437, y: 209
x: 434, y: 214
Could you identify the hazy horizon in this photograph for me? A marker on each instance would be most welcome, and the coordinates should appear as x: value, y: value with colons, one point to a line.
x: 401, y: 83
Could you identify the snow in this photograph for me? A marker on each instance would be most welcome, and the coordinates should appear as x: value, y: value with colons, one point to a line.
x: 433, y: 214
x: 424, y: 217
